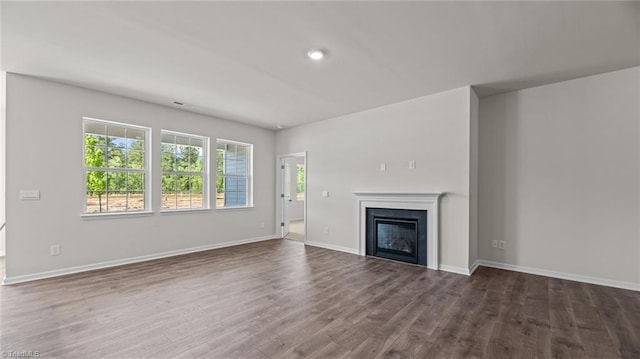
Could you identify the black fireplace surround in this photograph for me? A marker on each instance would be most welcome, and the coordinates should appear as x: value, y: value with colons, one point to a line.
x: 398, y: 234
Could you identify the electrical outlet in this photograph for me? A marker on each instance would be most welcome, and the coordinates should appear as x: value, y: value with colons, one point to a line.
x: 501, y: 244
x: 55, y: 249
x: 326, y: 230
x: 494, y: 243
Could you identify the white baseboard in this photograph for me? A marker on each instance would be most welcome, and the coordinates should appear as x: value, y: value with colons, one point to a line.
x: 454, y: 269
x: 474, y: 266
x: 332, y: 247
x: 561, y: 275
x: 119, y: 262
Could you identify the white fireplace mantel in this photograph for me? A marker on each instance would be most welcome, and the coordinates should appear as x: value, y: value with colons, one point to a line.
x: 415, y: 201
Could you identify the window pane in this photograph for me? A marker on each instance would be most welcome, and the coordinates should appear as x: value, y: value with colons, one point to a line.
x: 168, y: 139
x: 96, y: 181
x: 135, y: 201
x: 135, y: 139
x: 116, y: 136
x: 168, y: 157
x: 195, y: 159
x: 168, y: 183
x: 94, y: 154
x: 182, y: 158
x: 197, y: 183
x: 117, y: 181
x: 220, y: 191
x: 97, y: 129
x: 135, y: 159
x: 96, y: 201
x: 197, y: 199
x: 116, y: 201
x: 230, y: 166
x: 115, y: 157
x: 135, y: 181
x: 183, y: 184
x: 169, y: 200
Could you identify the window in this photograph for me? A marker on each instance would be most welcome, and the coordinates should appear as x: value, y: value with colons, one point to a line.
x: 233, y: 182
x: 185, y: 174
x: 115, y: 167
x: 300, y: 182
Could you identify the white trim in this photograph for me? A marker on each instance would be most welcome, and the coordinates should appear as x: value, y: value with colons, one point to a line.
x: 280, y: 189
x: 474, y: 266
x: 119, y: 262
x: 561, y: 275
x: 416, y: 201
x: 454, y: 269
x: 332, y: 247
x: 112, y: 215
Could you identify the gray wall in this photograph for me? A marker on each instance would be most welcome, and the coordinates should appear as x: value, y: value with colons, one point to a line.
x: 344, y: 155
x: 559, y: 177
x: 44, y: 137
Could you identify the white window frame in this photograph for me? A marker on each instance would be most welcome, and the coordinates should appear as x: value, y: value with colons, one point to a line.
x: 146, y: 170
x: 248, y: 176
x: 205, y: 164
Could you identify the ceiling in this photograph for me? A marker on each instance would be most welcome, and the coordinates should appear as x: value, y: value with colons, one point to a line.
x: 246, y: 61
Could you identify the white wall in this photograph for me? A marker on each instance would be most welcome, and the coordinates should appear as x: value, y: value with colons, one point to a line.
x: 344, y: 155
x: 44, y: 151
x: 559, y: 177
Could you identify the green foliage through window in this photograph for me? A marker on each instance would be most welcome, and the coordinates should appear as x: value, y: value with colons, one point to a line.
x: 115, y: 170
x: 183, y: 171
x: 300, y: 182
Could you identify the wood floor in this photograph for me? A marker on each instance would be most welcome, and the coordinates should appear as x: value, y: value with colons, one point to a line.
x: 280, y: 299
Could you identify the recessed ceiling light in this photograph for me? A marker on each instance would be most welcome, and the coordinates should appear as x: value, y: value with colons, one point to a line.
x: 279, y: 126
x: 317, y: 54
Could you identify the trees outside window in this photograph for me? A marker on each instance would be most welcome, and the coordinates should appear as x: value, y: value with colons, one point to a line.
x: 185, y: 174
x: 115, y: 167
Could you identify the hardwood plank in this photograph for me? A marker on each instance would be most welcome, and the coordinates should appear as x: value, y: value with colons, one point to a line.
x: 280, y: 299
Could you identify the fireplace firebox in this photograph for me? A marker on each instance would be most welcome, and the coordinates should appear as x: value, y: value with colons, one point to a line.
x: 397, y: 234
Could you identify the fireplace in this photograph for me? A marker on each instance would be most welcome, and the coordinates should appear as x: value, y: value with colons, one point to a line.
x: 397, y: 234
x: 427, y: 203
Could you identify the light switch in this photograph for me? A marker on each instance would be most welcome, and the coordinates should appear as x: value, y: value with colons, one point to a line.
x: 383, y: 166
x: 412, y: 164
x: 325, y: 194
x: 29, y: 195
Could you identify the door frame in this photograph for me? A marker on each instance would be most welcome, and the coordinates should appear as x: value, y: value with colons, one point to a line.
x: 279, y: 191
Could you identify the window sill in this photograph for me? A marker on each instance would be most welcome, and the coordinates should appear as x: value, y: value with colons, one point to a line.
x: 92, y: 216
x: 183, y: 211
x: 232, y: 208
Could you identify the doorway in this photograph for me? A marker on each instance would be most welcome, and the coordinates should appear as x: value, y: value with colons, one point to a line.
x: 292, y: 186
